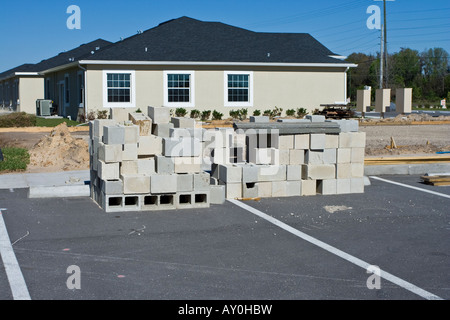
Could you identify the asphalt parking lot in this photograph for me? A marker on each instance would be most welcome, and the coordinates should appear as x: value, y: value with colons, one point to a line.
x: 229, y: 253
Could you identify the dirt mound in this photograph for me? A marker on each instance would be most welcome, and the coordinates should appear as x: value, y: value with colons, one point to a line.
x: 60, y: 151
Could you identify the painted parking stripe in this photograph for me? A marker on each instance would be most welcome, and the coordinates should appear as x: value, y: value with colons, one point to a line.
x: 412, y: 187
x: 360, y: 263
x: 17, y: 283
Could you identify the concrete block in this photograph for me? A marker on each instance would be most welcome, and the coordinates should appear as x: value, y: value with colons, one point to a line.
x: 131, y: 134
x: 315, y: 118
x: 259, y: 119
x: 128, y: 167
x: 230, y: 173
x: 358, y: 155
x: 330, y: 156
x: 201, y: 181
x: 327, y: 187
x: 331, y: 141
x: 113, y: 187
x: 318, y: 172
x: 187, y: 164
x: 293, y: 172
x: 113, y: 135
x: 185, y: 182
x: 233, y: 190
x: 296, y: 156
x: 404, y: 100
x: 281, y: 156
x: 264, y: 156
x: 162, y: 129
x: 293, y: 188
x: 237, y: 155
x: 135, y: 184
x: 163, y: 183
x: 181, y: 147
x: 238, y: 139
x: 271, y: 173
x: 314, y: 157
x: 108, y: 171
x: 150, y: 145
x: 358, y: 140
x: 143, y: 121
x: 279, y: 189
x: 308, y: 187
x: 129, y: 151
x: 363, y: 100
x: 382, y: 100
x: 166, y: 202
x: 357, y: 170
x: 182, y: 122
x: 197, y: 133
x: 217, y: 194
x: 343, y: 171
x: 249, y: 173
x: 301, y: 141
x: 119, y: 114
x: 250, y: 190
x: 221, y: 155
x: 264, y: 189
x: 357, y: 185
x: 343, y: 186
x: 317, y: 141
x: 286, y: 142
x: 146, y: 166
x: 96, y: 130
x: 159, y: 115
x: 345, y: 140
x: 344, y: 155
x: 215, y: 170
x: 192, y: 200
x: 164, y: 165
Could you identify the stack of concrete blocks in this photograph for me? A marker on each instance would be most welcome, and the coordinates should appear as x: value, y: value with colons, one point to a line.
x: 404, y: 100
x: 145, y: 163
x: 296, y: 165
x: 363, y: 100
x: 382, y: 100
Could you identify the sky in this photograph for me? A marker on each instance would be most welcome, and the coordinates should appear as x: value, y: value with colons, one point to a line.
x: 32, y: 30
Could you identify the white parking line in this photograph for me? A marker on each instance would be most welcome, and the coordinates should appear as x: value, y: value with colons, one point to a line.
x: 17, y: 283
x: 360, y: 263
x: 412, y: 187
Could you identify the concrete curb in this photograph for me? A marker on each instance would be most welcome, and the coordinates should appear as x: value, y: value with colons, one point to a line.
x: 42, y: 192
x: 406, y: 169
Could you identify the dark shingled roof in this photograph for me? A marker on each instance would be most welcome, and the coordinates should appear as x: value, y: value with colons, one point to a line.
x: 189, y: 40
x: 63, y: 58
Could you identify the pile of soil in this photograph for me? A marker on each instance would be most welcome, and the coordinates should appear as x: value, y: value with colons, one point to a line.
x: 59, y: 152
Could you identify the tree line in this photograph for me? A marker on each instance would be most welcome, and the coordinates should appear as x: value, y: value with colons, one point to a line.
x: 427, y: 73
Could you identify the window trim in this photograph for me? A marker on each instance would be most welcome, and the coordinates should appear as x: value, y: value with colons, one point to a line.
x: 249, y: 103
x: 67, y: 90
x: 132, y: 103
x: 191, y: 102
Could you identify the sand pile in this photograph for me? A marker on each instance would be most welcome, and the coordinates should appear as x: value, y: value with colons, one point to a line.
x: 60, y: 151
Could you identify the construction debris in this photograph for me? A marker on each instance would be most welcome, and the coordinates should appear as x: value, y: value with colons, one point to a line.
x: 441, y: 180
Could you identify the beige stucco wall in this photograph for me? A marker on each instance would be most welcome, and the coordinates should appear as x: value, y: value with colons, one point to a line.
x: 30, y: 89
x: 287, y: 88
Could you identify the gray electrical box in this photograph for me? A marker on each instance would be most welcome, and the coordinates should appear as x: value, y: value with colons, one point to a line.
x: 43, y: 107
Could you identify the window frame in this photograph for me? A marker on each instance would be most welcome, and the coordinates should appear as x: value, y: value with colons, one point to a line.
x: 132, y: 103
x: 191, y: 102
x: 66, y: 90
x: 235, y: 104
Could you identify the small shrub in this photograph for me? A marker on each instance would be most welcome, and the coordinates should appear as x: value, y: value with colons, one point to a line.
x: 18, y: 120
x: 301, y: 112
x: 234, y: 114
x: 243, y: 113
x: 138, y: 110
x: 195, y: 114
x: 276, y: 112
x: 257, y: 113
x: 290, y: 112
x: 102, y: 114
x: 206, y: 115
x: 216, y: 115
x: 180, y: 112
x: 267, y: 113
x: 91, y: 116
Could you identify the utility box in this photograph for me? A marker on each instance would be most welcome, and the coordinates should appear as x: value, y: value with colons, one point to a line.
x: 363, y: 100
x: 382, y: 100
x: 43, y: 107
x: 404, y: 100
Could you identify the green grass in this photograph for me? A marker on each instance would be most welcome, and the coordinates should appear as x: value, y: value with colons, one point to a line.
x: 14, y: 159
x: 41, y: 122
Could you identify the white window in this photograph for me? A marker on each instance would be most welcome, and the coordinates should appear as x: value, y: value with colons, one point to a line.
x: 238, y: 89
x: 179, y: 88
x: 119, y: 89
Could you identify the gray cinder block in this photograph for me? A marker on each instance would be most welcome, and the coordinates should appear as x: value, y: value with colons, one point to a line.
x: 185, y: 182
x: 164, y: 165
x: 136, y: 184
x: 113, y: 135
x: 163, y: 183
x: 250, y: 190
x: 159, y: 115
x: 201, y: 181
x: 182, y: 122
x: 217, y: 194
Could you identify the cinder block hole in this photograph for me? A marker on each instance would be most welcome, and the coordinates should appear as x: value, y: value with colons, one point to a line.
x: 319, y: 186
x: 131, y: 201
x: 150, y: 200
x: 185, y: 199
x: 201, y: 198
x: 250, y: 185
x: 165, y: 200
x: 115, y: 201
